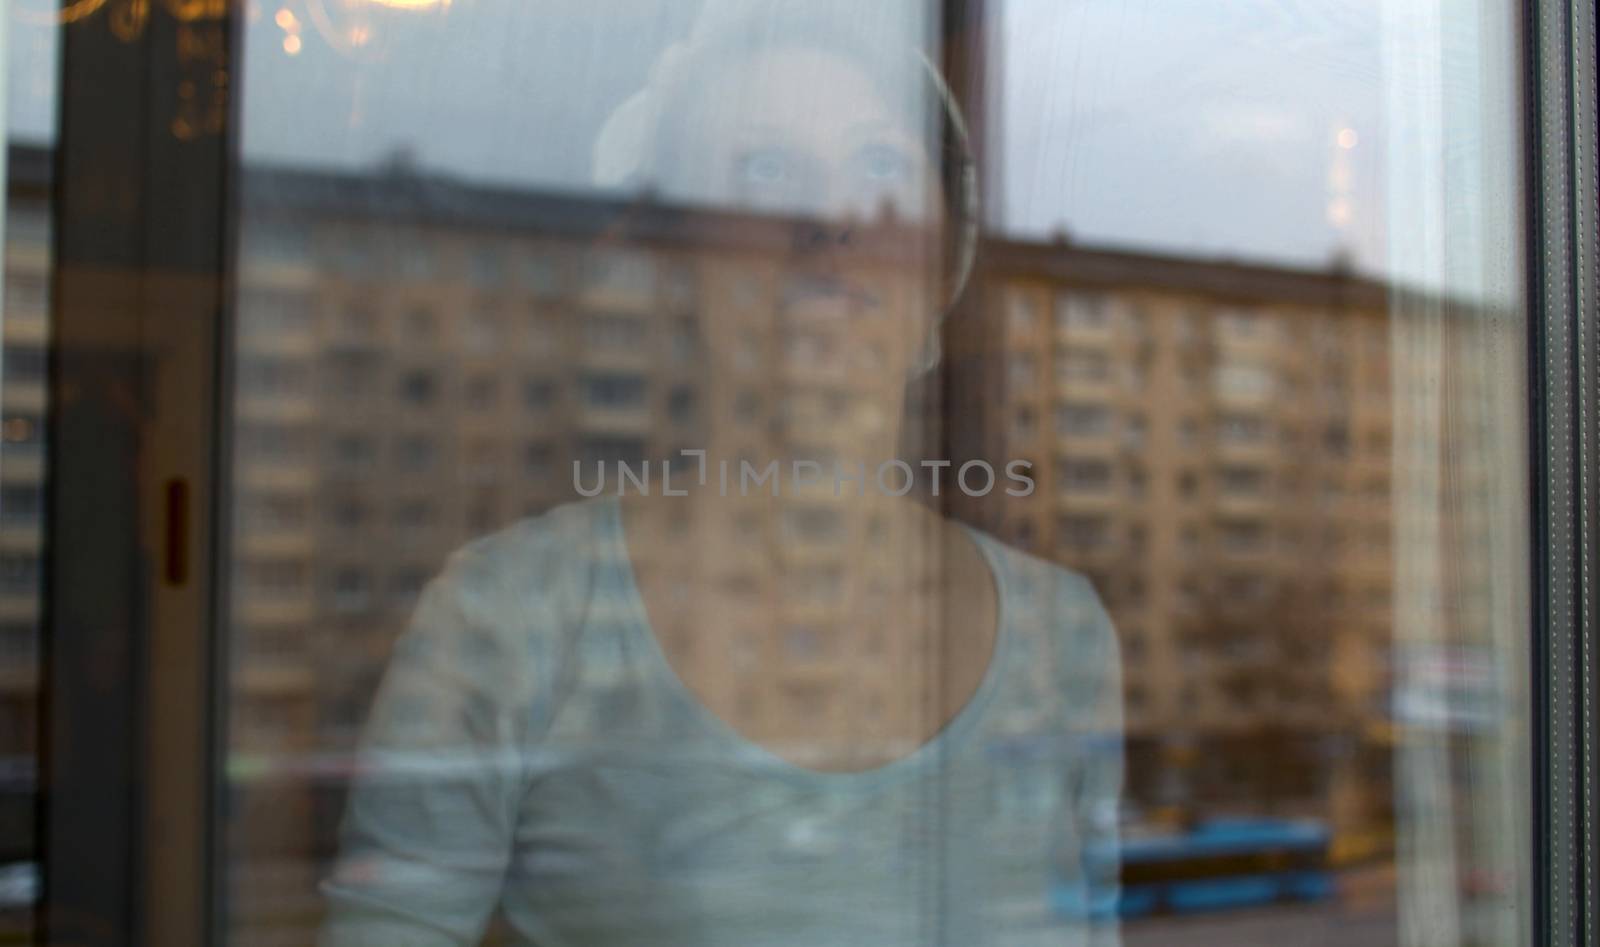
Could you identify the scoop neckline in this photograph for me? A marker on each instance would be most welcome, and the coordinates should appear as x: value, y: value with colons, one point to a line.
x: 752, y: 752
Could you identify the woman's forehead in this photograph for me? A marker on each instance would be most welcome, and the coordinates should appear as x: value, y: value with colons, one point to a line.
x: 808, y: 91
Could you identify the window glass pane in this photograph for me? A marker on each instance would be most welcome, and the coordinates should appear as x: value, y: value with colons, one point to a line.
x: 781, y: 472
x: 28, y: 45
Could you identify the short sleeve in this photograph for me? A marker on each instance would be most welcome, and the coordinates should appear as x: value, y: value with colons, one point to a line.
x: 440, y: 771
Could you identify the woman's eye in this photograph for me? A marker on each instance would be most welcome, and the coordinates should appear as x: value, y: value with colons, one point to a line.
x: 883, y: 162
x: 765, y: 167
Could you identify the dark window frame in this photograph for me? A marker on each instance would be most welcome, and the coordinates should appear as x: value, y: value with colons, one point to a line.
x: 132, y: 275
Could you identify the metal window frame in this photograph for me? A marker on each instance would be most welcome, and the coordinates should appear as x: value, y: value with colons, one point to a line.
x: 132, y: 657
x: 133, y: 689
x: 1564, y: 423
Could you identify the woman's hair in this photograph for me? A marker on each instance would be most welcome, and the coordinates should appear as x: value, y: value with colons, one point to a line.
x: 649, y: 141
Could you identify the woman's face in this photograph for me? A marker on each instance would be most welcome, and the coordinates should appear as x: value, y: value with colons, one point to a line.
x: 807, y: 134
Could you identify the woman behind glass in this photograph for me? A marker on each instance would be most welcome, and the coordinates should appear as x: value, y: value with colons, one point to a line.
x: 801, y: 710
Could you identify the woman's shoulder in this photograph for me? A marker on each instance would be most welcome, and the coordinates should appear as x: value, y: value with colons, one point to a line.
x: 546, y: 549
x: 529, y: 577
x: 1053, y: 601
x: 504, y: 613
x: 1030, y: 581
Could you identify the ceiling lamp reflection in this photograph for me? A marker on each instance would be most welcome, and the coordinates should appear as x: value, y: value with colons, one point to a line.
x: 46, y: 13
x: 354, y: 27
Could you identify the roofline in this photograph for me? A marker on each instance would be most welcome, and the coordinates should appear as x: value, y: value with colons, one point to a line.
x: 1223, y: 279
x: 402, y: 195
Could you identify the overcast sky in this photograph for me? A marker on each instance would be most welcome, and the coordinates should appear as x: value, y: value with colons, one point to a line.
x: 1247, y: 128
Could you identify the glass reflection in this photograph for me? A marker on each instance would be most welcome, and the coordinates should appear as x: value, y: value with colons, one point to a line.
x: 782, y: 701
x: 766, y: 695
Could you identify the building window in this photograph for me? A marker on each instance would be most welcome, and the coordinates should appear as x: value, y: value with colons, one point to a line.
x: 418, y: 387
x: 24, y: 363
x: 1138, y: 480
x: 407, y: 584
x: 539, y: 461
x: 415, y: 453
x: 20, y: 504
x: 273, y: 377
x: 1133, y: 430
x: 539, y: 274
x: 421, y: 325
x: 19, y: 643
x: 685, y: 340
x: 482, y: 515
x: 1083, y: 419
x: 813, y: 524
x: 417, y: 260
x: 747, y: 406
x: 605, y: 332
x: 678, y: 286
x: 273, y: 578
x: 273, y: 511
x: 1242, y: 429
x: 614, y: 391
x: 1084, y: 532
x: 1024, y: 424
x: 486, y: 266
x: 273, y: 443
x: 1245, y: 380
x: 622, y: 271
x: 25, y: 293
x: 681, y: 404
x: 1336, y: 438
x: 538, y: 394
x: 1088, y: 475
x: 1083, y: 366
x: 271, y: 313
x: 481, y: 391
x: 482, y: 332
x: 1245, y: 587
x: 611, y: 450
x: 539, y: 335
x: 1021, y: 314
x: 1240, y: 324
x: 350, y: 371
x: 350, y: 589
x: 19, y: 573
x: 353, y: 451
x: 348, y: 513
x: 414, y: 514
x: 1082, y: 310
x: 1242, y: 535
x: 803, y: 641
x: 1241, y: 481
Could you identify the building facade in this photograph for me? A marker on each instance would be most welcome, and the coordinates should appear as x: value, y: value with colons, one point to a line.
x: 418, y: 362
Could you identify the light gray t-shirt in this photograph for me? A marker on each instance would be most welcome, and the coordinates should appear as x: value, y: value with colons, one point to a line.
x: 531, y: 749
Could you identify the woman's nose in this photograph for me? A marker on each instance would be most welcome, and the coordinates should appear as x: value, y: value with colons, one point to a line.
x: 823, y: 237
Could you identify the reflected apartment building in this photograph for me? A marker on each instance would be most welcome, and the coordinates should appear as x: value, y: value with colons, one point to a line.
x: 418, y: 361
x: 25, y: 321
x: 1212, y: 442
